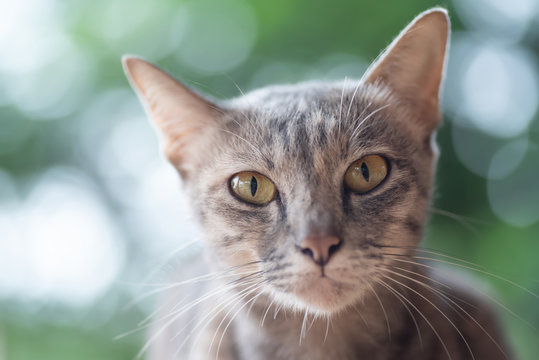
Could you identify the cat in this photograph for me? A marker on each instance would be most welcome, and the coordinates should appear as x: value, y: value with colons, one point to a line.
x: 312, y: 199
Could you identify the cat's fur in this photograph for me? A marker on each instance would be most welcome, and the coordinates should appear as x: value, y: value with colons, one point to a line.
x: 268, y: 299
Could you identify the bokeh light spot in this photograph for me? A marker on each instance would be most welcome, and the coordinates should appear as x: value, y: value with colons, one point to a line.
x: 214, y: 42
x: 60, y: 246
x: 507, y: 18
x: 499, y: 91
x: 507, y: 159
x: 515, y: 198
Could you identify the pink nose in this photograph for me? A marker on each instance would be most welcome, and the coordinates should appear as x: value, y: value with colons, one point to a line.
x: 320, y: 248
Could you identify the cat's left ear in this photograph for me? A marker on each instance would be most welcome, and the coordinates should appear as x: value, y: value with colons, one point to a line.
x: 413, y: 65
x: 182, y: 116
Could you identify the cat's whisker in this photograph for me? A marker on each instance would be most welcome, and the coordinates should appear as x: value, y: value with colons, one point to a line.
x: 165, y: 287
x: 360, y: 116
x: 218, y: 308
x: 437, y: 309
x: 433, y: 252
x: 397, y: 293
x: 228, y: 116
x: 430, y: 288
x: 383, y: 310
x: 464, y: 221
x: 480, y: 271
x: 252, y: 289
x: 251, y: 307
x: 266, y: 313
x: 340, y: 106
x: 235, y: 84
x: 211, y: 315
x: 253, y: 125
x: 221, y: 289
x: 361, y: 316
x: 195, y: 280
x: 156, y: 335
x: 483, y: 293
x: 251, y: 145
x: 445, y: 298
x: 169, y: 257
x: 374, y: 112
x: 231, y: 118
x: 205, y: 320
x: 352, y: 100
x: 303, y: 325
x: 174, y: 315
x: 424, y: 277
x: 230, y: 322
x: 315, y: 317
x: 255, y: 149
x: 327, y: 329
x: 412, y: 317
x: 446, y: 292
x: 202, y: 278
x: 151, y: 317
x: 227, y: 287
x: 276, y: 311
x: 255, y: 274
x: 243, y: 113
x: 145, y: 323
x: 231, y: 272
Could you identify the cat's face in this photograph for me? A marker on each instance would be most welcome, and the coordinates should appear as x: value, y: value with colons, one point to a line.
x: 317, y: 241
x: 303, y: 139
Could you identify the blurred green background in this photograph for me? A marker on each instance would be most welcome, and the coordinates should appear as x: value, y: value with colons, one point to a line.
x: 89, y: 212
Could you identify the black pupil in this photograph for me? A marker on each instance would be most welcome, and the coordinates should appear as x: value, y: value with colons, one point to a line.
x: 364, y: 172
x: 254, y: 186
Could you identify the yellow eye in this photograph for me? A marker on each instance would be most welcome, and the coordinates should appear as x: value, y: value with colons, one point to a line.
x: 366, y: 173
x: 253, y: 187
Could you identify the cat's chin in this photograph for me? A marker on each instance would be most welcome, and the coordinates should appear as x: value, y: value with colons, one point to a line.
x: 319, y: 295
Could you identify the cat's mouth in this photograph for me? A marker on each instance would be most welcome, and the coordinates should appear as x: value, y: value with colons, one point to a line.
x: 320, y: 291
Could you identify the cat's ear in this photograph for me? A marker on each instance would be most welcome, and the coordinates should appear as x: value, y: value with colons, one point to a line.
x: 180, y: 115
x: 413, y: 65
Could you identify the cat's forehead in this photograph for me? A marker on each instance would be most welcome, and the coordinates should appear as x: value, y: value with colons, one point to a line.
x: 312, y: 115
x: 308, y: 97
x: 309, y: 126
x: 310, y: 112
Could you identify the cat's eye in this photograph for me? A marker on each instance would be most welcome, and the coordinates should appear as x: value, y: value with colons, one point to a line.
x: 366, y: 173
x: 252, y: 187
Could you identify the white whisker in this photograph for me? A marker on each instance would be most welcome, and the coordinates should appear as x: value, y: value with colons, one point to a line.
x: 441, y: 294
x: 437, y: 309
x: 389, y: 287
x: 383, y: 310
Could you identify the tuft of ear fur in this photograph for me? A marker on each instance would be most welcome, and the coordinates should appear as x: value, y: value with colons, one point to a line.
x: 413, y: 65
x: 180, y: 115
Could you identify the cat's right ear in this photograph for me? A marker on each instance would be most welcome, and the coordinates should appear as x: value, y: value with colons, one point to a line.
x: 413, y: 65
x: 180, y: 115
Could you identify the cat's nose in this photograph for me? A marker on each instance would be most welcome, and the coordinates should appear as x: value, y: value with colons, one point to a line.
x: 320, y: 248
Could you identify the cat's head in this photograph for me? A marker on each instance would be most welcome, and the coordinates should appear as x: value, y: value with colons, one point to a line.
x: 310, y: 183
